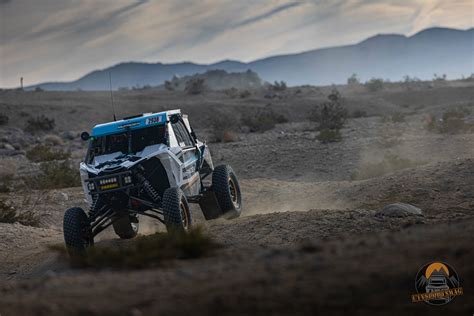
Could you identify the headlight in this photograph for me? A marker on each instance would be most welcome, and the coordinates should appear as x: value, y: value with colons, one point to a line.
x: 108, y: 181
x: 91, y: 186
x: 127, y: 179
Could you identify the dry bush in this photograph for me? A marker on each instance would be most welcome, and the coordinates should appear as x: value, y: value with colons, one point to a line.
x: 39, y: 124
x: 395, y: 118
x: 278, y: 86
x: 195, y: 86
x: 223, y: 126
x: 147, y: 251
x: 9, y: 214
x: 353, y: 80
x: 6, y: 183
x: 55, y: 175
x: 374, y: 84
x: 44, y: 153
x: 329, y: 136
x: 329, y: 115
x: 229, y: 137
x: 231, y: 92
x: 358, y: 114
x: 452, y: 122
x: 262, y: 119
x: 4, y: 119
x: 169, y: 85
x: 245, y: 94
x: 390, y: 163
x: 53, y: 140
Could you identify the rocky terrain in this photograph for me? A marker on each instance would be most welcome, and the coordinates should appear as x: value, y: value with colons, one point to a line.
x: 314, y: 236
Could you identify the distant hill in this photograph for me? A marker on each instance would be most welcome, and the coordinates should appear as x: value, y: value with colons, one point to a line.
x: 388, y: 56
x: 218, y: 80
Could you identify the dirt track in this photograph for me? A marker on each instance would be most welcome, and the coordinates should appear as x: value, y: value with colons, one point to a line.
x: 309, y: 240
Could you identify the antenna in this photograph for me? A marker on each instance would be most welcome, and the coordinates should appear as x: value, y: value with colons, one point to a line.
x: 112, y: 96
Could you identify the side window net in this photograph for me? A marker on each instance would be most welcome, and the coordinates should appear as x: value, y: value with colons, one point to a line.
x: 182, y: 135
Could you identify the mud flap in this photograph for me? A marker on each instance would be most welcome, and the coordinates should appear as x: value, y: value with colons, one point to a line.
x: 209, y: 205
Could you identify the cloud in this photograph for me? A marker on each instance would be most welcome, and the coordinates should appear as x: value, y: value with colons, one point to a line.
x: 50, y: 40
x: 268, y: 14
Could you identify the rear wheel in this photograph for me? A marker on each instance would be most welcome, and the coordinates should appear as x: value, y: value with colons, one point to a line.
x: 227, y: 190
x: 126, y: 227
x: 176, y: 211
x: 77, y: 231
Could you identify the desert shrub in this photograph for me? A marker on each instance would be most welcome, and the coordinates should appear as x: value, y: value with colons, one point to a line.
x: 262, y: 119
x: 231, y: 92
x: 374, y: 84
x: 278, y: 86
x: 224, y: 127
x: 395, y: 118
x: 437, y: 78
x: 55, y: 175
x: 453, y: 121
x: 358, y: 114
x: 329, y: 115
x: 245, y: 94
x: 390, y: 163
x: 53, y: 140
x: 5, y: 183
x: 329, y: 136
x: 411, y: 82
x: 195, y: 86
x: 39, y: 124
x: 353, y: 80
x: 169, y: 85
x: 147, y: 251
x: 44, y: 153
x: 4, y: 119
x: 398, y: 117
x: 9, y: 214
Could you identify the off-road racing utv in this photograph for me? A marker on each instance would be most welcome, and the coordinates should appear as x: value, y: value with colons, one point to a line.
x: 150, y: 164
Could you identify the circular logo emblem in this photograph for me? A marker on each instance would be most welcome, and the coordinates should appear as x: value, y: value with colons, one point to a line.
x: 437, y: 283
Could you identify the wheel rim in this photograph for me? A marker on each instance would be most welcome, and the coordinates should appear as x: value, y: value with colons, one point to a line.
x: 184, y: 215
x: 233, y: 193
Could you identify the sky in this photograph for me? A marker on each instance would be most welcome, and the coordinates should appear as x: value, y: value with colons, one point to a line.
x: 62, y: 40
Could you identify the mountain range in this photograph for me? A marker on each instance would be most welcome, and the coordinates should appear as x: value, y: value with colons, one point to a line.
x: 388, y: 56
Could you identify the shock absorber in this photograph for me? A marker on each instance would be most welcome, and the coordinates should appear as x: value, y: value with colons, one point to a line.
x: 149, y: 189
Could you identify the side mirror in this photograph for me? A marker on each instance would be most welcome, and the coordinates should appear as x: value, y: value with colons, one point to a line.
x: 174, y: 119
x: 85, y: 136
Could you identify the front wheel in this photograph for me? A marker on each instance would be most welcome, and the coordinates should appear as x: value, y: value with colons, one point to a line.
x: 77, y: 231
x: 227, y: 190
x: 176, y: 211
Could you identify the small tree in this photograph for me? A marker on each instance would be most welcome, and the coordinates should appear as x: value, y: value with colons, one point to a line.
x: 279, y: 86
x: 330, y: 117
x: 375, y: 84
x: 353, y: 80
x: 195, y: 86
x: 437, y: 78
x: 169, y: 85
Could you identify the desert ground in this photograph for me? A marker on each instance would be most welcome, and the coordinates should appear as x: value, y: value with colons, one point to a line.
x: 313, y: 237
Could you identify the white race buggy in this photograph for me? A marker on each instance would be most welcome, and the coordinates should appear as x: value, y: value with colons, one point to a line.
x: 152, y: 165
